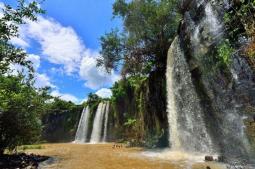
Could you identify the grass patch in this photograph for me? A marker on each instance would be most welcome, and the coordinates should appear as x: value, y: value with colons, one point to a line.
x: 30, y: 147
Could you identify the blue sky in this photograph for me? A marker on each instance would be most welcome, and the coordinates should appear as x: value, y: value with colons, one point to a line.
x: 64, y: 44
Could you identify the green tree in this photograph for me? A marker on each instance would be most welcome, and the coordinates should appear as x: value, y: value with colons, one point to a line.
x: 149, y: 28
x: 93, y: 98
x: 21, y: 108
x: 20, y: 103
x: 9, y: 25
x: 93, y: 101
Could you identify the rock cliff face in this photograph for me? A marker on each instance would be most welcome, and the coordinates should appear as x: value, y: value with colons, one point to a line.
x: 147, y: 106
x: 61, y: 126
x: 226, y: 91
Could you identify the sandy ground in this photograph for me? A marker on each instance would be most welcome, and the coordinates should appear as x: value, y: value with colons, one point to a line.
x: 103, y: 156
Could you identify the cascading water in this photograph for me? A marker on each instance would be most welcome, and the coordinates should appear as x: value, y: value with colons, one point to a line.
x: 208, y: 32
x: 171, y: 108
x: 191, y: 126
x: 208, y: 28
x: 187, y: 128
x: 98, y: 124
x: 106, y: 121
x: 82, y: 131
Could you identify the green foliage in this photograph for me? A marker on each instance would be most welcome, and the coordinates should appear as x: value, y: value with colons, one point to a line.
x: 21, y: 107
x: 93, y: 101
x: 136, y: 81
x: 30, y: 147
x: 21, y: 104
x: 128, y: 110
x: 130, y: 122
x: 240, y: 21
x: 225, y: 52
x: 112, y: 49
x: 149, y: 27
x: 121, y: 88
x: 9, y: 24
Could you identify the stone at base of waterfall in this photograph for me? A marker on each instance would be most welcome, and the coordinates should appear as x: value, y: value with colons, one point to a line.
x: 208, y: 158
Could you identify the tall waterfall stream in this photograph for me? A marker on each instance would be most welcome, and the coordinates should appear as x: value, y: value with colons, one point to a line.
x: 82, y: 131
x: 100, y: 124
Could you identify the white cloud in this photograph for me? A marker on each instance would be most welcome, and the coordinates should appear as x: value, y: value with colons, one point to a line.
x: 65, y: 96
x: 61, y: 45
x: 42, y: 80
x: 104, y: 93
x: 95, y: 77
x: 15, y: 68
x: 58, y: 71
x: 1, y: 9
x: 35, y: 59
x: 83, y: 100
x: 19, y: 42
x: 1, y: 5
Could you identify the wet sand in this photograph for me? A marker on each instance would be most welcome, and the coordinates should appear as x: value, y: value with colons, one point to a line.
x: 103, y: 156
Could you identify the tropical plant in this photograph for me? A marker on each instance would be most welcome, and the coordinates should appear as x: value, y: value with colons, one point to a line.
x: 225, y: 52
x: 21, y: 108
x: 149, y: 28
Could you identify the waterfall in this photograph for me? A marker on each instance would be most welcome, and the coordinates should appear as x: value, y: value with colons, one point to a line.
x: 106, y: 121
x: 211, y: 20
x: 82, y: 131
x: 98, y: 124
x: 187, y: 128
x: 206, y: 32
x: 171, y: 108
x: 191, y: 127
x: 230, y: 126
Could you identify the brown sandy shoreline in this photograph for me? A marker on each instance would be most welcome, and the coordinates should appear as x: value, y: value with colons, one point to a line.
x: 103, y: 156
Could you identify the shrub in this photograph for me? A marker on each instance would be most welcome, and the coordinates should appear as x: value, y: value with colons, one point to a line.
x: 225, y: 52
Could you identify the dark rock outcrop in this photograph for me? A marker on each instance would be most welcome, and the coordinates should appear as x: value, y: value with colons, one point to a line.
x: 227, y: 92
x: 61, y: 126
x: 209, y: 158
x: 21, y: 161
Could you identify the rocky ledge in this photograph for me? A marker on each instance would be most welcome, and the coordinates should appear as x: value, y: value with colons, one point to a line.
x: 22, y: 160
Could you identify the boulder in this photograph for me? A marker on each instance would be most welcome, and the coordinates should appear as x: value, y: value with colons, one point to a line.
x: 208, y: 158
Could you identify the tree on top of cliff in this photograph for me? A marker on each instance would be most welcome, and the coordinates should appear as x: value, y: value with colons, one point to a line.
x: 149, y: 27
